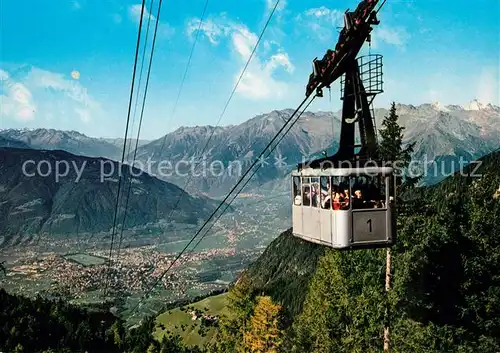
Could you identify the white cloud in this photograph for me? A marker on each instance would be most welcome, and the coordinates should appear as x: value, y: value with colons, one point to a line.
x: 17, y: 100
x: 46, y: 79
x: 393, y: 36
x: 322, y: 20
x: 164, y: 29
x: 209, y: 28
x: 279, y: 59
x: 84, y: 115
x: 270, y: 4
x: 488, y: 90
x: 258, y: 81
x: 4, y: 75
x: 332, y: 15
x: 244, y: 41
x: 31, y: 93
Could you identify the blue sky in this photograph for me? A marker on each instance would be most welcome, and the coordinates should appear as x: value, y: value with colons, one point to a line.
x: 434, y: 50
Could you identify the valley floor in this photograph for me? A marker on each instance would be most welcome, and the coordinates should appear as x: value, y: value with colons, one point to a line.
x: 77, y: 269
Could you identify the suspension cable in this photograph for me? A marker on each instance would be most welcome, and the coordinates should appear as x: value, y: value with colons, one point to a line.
x: 143, y: 104
x: 248, y: 180
x: 125, y: 141
x: 140, y: 123
x: 202, y: 18
x: 140, y: 76
x: 224, y: 200
x: 181, y: 195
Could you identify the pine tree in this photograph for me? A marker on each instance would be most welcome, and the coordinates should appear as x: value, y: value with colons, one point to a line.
x: 240, y: 303
x: 118, y: 332
x: 154, y: 347
x: 392, y: 152
x: 264, y: 334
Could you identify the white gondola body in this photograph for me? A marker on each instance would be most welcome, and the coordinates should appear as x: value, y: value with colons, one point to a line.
x: 351, y: 227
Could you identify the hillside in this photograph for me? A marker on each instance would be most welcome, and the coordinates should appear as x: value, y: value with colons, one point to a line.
x: 82, y: 197
x: 69, y: 141
x: 8, y: 142
x: 44, y: 325
x: 445, y: 284
x: 180, y: 321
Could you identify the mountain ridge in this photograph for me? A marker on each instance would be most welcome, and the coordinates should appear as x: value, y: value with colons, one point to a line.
x: 68, y: 140
x: 440, y: 132
x: 55, y: 192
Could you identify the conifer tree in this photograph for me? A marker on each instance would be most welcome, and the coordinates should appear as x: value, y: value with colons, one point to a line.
x: 239, y: 303
x: 118, y: 332
x: 154, y: 348
x: 391, y: 149
x: 392, y: 153
x: 264, y: 333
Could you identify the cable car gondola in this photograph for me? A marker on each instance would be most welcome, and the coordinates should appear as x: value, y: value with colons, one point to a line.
x: 344, y: 207
x: 347, y: 201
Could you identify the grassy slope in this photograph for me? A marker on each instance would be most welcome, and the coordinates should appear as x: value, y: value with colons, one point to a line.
x: 176, y: 317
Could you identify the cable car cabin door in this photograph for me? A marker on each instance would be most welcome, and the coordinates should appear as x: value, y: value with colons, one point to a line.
x: 369, y: 226
x: 372, y: 220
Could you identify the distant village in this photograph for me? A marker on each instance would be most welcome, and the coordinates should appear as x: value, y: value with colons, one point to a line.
x: 204, y: 318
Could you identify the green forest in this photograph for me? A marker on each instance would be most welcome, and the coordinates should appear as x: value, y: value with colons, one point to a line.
x: 445, y: 286
x: 444, y: 291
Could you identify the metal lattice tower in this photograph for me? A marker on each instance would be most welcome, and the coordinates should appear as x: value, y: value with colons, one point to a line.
x: 371, y: 75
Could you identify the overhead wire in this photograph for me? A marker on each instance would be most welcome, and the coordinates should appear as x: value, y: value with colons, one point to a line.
x: 141, y: 117
x: 125, y: 140
x: 144, y: 99
x: 248, y: 180
x: 202, y: 18
x: 140, y: 75
x: 181, y: 195
x: 223, y: 202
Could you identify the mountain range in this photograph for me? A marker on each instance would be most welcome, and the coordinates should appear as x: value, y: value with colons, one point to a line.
x: 442, y: 134
x: 60, y: 193
x: 69, y: 141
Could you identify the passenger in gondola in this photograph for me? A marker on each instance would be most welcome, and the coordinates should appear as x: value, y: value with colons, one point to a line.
x: 337, y: 201
x: 327, y: 57
x: 361, y: 12
x: 316, y: 195
x: 307, y: 196
x: 358, y: 202
x: 326, y: 196
x: 345, y: 200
